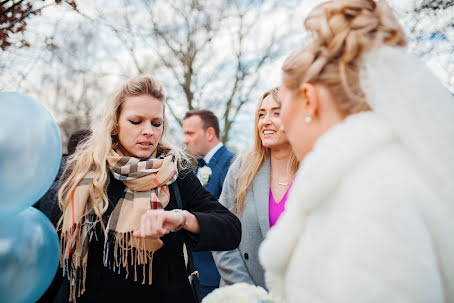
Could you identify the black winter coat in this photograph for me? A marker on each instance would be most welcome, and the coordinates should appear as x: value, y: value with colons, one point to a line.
x: 219, y: 230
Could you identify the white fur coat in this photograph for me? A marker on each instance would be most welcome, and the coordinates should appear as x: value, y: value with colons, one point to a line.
x: 361, y: 224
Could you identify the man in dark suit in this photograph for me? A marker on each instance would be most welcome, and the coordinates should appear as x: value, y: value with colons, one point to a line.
x: 201, y: 129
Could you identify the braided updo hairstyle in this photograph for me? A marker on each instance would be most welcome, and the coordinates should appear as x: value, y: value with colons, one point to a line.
x: 342, y: 31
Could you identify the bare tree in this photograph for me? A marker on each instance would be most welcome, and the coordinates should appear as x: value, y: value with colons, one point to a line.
x: 209, y: 53
x: 70, y: 84
x: 14, y: 15
x: 434, y: 5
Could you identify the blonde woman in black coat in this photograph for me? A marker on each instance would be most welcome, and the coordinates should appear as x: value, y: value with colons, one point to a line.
x: 122, y: 231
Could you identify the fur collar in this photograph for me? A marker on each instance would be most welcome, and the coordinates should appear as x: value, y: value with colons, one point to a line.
x: 332, y: 157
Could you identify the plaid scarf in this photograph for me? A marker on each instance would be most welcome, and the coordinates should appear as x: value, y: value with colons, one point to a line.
x: 146, y: 188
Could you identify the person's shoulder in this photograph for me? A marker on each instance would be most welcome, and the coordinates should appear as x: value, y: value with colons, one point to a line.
x: 229, y: 159
x: 224, y: 153
x: 391, y: 163
x: 223, y: 157
x: 187, y: 183
x: 384, y: 179
x: 229, y: 154
x: 186, y: 174
x: 236, y: 162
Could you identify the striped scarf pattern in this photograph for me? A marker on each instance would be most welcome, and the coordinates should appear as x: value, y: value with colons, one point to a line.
x: 147, y: 187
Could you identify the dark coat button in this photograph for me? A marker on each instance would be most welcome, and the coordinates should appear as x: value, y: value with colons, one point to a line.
x: 246, y: 256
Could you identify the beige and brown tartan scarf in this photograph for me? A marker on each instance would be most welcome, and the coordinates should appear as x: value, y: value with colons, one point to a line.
x: 146, y: 188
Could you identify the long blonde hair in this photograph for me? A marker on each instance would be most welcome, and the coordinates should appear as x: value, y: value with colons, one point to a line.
x: 342, y: 31
x: 253, y: 160
x: 91, y: 154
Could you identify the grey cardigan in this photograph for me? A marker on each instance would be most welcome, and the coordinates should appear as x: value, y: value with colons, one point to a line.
x: 242, y: 264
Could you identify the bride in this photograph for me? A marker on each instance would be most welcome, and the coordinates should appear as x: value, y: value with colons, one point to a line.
x: 371, y: 214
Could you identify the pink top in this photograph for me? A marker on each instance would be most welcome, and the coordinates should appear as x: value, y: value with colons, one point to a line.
x: 276, y: 209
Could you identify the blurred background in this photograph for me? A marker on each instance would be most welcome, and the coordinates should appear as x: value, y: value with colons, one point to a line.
x: 220, y: 54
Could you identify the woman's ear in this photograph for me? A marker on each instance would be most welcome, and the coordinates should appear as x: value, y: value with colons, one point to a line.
x: 311, y: 99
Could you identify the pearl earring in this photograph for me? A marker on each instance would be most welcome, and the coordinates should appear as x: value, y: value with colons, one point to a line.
x: 308, y: 119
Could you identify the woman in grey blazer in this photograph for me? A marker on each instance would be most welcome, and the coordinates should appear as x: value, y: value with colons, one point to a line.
x: 255, y: 189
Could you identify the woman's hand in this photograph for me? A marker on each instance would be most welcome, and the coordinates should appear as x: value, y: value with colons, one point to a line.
x: 157, y: 223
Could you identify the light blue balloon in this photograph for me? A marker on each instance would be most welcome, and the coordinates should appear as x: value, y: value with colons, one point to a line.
x: 30, y: 152
x: 29, y: 256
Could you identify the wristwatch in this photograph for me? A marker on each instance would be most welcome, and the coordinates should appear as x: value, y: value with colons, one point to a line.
x: 181, y: 212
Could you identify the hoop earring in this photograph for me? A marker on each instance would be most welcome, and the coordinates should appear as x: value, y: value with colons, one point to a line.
x: 308, y: 119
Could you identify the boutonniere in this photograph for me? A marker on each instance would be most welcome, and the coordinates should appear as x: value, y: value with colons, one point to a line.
x: 205, y: 174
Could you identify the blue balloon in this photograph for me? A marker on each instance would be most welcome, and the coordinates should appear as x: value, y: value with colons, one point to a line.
x: 29, y: 256
x: 30, y: 152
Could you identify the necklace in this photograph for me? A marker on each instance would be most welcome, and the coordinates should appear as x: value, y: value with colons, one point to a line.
x: 280, y: 182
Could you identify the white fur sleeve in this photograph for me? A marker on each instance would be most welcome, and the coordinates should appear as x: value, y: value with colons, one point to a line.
x: 366, y: 246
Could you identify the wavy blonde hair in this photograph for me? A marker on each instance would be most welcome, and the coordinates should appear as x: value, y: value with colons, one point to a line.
x: 342, y: 31
x: 253, y: 160
x: 91, y: 154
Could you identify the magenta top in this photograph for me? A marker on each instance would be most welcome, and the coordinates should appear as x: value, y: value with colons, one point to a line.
x: 276, y: 209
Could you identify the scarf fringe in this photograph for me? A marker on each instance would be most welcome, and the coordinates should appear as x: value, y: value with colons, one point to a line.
x: 128, y: 251
x: 73, y: 258
x: 74, y: 266
x: 121, y: 250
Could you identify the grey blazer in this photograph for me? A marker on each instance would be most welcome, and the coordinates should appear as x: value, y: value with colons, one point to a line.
x: 242, y: 264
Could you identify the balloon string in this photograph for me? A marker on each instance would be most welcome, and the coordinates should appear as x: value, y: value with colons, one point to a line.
x: 74, y: 223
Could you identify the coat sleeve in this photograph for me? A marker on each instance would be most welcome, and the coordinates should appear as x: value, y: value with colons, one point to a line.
x: 230, y: 263
x: 219, y: 228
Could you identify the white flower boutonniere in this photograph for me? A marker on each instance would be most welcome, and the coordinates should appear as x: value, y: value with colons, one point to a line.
x: 205, y: 174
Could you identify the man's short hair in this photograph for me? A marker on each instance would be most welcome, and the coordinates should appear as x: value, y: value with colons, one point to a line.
x: 208, y: 118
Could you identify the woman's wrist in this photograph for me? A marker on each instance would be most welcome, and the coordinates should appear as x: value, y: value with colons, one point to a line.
x: 183, y: 219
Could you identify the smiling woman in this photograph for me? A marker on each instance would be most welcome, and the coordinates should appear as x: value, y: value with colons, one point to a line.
x: 119, y: 208
x: 255, y: 189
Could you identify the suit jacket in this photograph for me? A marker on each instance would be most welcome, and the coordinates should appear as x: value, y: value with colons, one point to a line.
x: 203, y: 261
x: 242, y: 264
x: 219, y: 164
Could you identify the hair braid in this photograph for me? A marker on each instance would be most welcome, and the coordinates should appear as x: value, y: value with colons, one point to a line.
x: 342, y: 31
